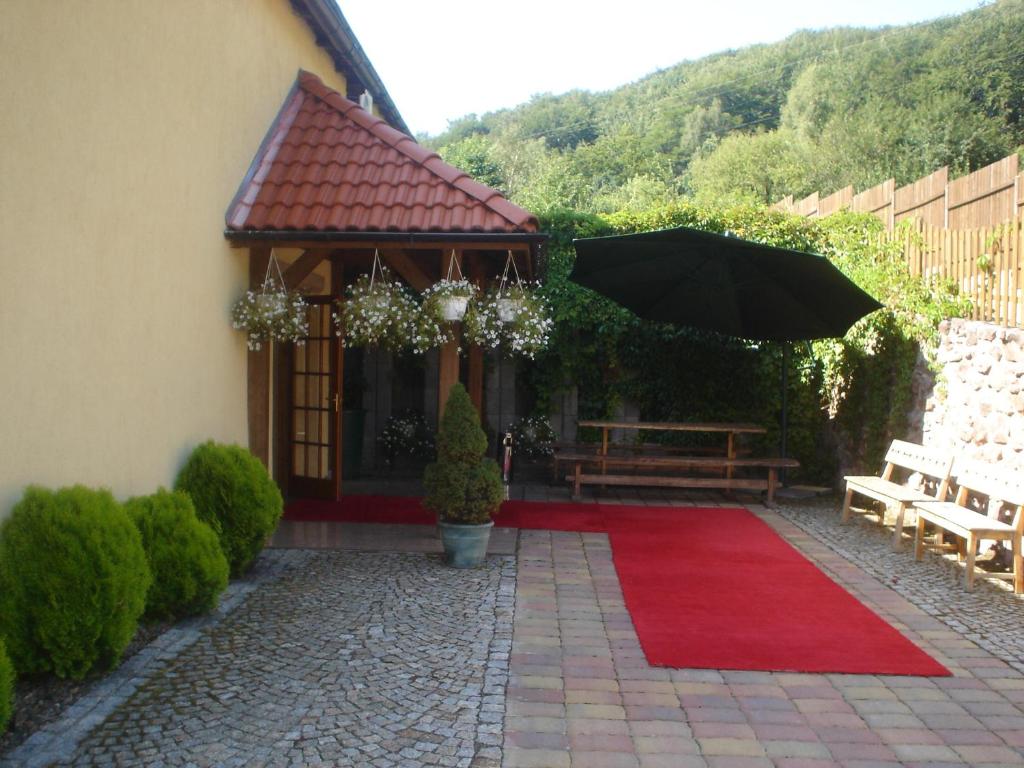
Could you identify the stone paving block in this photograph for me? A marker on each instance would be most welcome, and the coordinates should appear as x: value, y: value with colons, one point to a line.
x: 718, y: 730
x: 536, y: 758
x: 585, y: 759
x: 804, y: 749
x: 731, y: 746
x: 671, y: 761
x: 593, y: 697
x: 594, y: 742
x: 675, y: 745
x: 925, y: 752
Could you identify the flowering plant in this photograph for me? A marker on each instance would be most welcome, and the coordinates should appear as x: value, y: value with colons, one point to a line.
x: 533, y: 436
x: 376, y: 313
x: 272, y: 314
x: 517, y: 317
x: 406, y: 434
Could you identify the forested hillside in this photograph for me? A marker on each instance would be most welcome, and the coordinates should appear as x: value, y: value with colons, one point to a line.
x: 817, y: 111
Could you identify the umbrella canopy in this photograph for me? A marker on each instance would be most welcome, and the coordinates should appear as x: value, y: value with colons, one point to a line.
x: 722, y: 283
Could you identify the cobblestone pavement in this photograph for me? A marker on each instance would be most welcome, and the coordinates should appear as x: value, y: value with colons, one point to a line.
x: 347, y: 659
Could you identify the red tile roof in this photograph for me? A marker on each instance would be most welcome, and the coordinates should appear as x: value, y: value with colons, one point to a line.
x: 327, y: 165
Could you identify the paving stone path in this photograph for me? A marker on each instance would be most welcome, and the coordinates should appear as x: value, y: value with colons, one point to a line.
x: 347, y: 659
x: 992, y: 616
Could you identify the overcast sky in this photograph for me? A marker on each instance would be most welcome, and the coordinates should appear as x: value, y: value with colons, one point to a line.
x: 444, y: 59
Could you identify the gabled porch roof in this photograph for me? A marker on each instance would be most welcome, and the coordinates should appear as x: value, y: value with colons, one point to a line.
x: 327, y: 166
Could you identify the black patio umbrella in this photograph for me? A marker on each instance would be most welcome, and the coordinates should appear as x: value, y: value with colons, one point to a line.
x: 725, y: 284
x: 722, y: 283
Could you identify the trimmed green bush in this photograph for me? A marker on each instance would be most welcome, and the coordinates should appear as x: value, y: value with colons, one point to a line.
x: 235, y: 496
x: 189, y: 569
x: 462, y: 486
x: 73, y: 581
x: 6, y: 688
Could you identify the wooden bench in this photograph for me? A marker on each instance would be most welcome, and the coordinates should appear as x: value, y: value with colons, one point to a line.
x: 1000, y: 487
x: 565, y: 452
x: 909, y: 457
x: 660, y: 464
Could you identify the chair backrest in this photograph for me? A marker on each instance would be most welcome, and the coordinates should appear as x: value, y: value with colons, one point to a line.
x: 919, y: 458
x: 995, y: 482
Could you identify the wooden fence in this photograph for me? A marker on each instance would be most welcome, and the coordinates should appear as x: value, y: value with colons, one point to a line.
x: 985, y: 198
x: 985, y: 263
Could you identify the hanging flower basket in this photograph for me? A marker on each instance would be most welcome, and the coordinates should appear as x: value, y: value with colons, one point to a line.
x: 380, y: 312
x: 272, y: 313
x: 511, y: 316
x: 447, y: 299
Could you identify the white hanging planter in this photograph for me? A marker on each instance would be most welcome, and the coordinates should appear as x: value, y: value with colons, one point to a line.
x: 453, y: 308
x: 509, y: 308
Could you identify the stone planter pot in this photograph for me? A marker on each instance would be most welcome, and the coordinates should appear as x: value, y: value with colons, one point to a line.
x: 465, y: 546
x: 453, y: 308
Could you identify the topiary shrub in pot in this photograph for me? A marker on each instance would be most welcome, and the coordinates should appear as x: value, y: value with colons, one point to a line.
x: 189, y: 569
x: 235, y: 496
x: 6, y: 688
x: 73, y: 581
x: 464, y: 488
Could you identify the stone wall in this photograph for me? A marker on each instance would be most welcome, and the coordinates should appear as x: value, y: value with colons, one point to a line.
x: 975, y: 406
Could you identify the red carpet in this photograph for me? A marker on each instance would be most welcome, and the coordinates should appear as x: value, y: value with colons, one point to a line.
x: 706, y: 588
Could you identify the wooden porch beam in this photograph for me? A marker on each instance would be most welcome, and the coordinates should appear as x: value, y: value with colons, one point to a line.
x: 407, y: 269
x: 448, y: 358
x: 474, y: 269
x: 303, y: 267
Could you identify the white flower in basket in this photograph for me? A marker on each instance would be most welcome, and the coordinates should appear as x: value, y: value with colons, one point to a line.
x: 273, y: 313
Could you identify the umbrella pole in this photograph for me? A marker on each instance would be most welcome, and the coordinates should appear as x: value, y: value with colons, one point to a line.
x: 784, y: 421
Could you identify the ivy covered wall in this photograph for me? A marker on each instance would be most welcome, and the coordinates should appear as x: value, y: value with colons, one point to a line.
x: 847, y: 397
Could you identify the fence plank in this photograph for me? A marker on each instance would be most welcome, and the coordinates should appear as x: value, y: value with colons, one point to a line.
x: 986, y: 197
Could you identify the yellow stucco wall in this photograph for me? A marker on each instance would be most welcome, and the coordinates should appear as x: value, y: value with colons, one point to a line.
x: 125, y: 129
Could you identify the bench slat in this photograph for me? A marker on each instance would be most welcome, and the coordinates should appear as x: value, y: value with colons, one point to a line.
x: 679, y: 461
x: 871, y: 485
x: 676, y: 482
x: 960, y: 520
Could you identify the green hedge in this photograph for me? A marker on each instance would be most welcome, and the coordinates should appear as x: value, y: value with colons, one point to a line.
x: 73, y: 581
x: 235, y: 496
x: 189, y: 569
x: 6, y: 688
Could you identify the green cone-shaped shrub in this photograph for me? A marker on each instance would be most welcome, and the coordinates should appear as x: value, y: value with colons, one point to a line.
x: 189, y: 569
x: 6, y: 688
x: 235, y: 496
x: 462, y: 486
x: 73, y: 581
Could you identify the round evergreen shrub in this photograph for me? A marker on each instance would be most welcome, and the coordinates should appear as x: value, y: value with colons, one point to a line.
x: 462, y: 486
x: 235, y: 496
x: 189, y: 569
x: 73, y: 581
x: 6, y: 688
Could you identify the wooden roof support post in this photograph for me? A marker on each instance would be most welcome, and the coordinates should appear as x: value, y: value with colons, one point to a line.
x: 475, y: 273
x: 258, y: 378
x: 448, y: 360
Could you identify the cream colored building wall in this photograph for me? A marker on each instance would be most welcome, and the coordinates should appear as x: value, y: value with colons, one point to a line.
x: 125, y: 129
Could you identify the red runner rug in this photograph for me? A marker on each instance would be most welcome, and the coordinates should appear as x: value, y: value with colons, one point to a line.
x: 711, y: 588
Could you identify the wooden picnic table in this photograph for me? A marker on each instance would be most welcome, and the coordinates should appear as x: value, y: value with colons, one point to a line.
x: 730, y: 430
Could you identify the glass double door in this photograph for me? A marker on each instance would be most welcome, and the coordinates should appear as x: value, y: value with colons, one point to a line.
x: 315, y: 407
